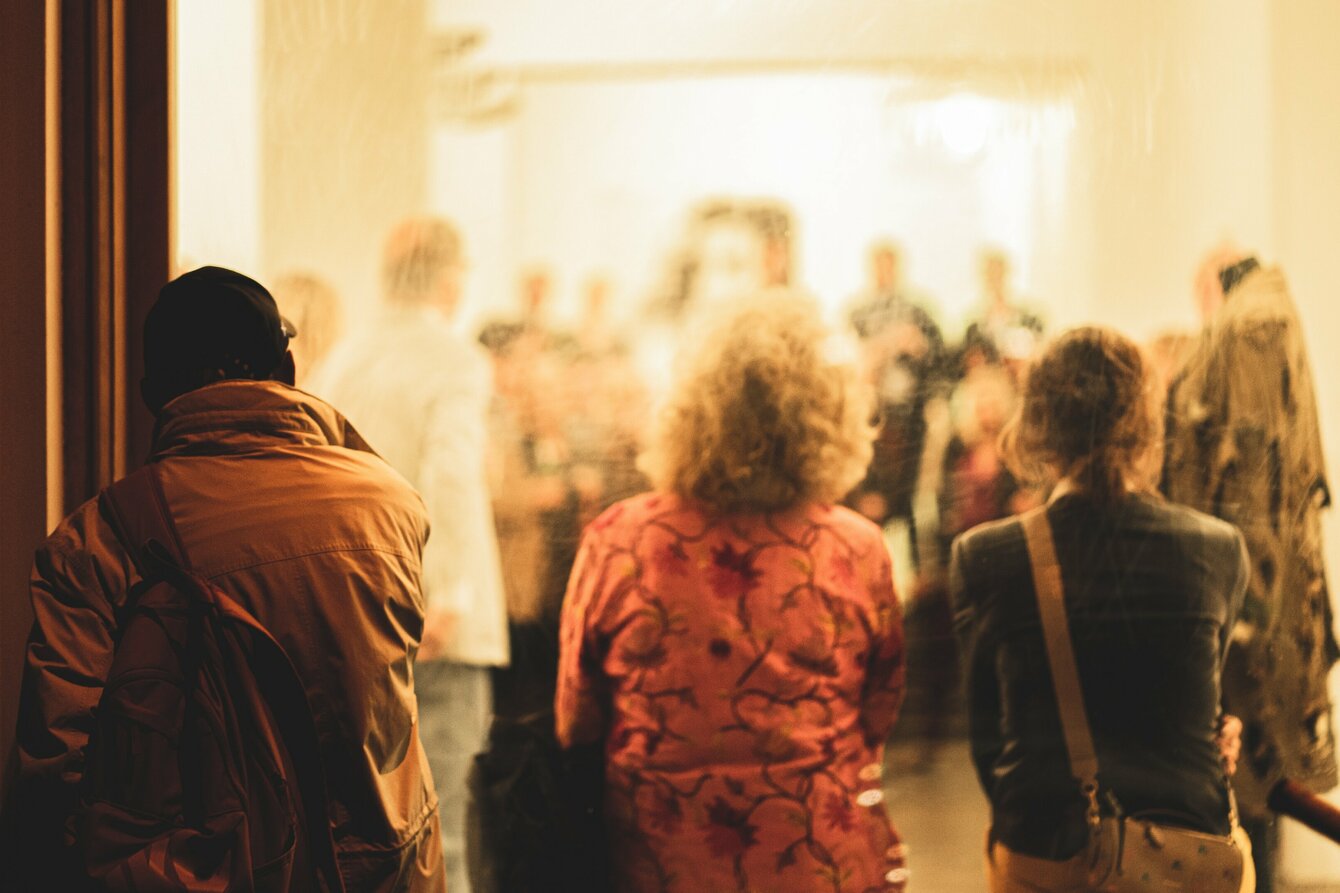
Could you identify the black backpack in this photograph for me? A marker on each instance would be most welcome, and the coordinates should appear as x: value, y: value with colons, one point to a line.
x: 203, y: 769
x: 535, y: 815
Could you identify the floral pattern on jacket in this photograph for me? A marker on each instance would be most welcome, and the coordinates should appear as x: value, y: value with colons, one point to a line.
x: 743, y: 672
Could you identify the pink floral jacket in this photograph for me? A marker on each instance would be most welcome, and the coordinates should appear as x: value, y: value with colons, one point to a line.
x: 743, y: 671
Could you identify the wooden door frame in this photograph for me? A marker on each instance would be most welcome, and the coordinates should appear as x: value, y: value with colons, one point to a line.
x: 86, y: 171
x: 115, y: 173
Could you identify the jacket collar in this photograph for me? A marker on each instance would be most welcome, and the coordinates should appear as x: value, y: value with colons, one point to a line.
x: 232, y: 417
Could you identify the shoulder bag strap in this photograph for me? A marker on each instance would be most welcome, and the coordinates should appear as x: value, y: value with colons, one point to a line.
x: 1061, y: 655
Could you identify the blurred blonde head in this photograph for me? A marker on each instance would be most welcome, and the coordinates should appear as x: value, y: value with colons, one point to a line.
x: 422, y: 260
x: 763, y: 417
x: 1092, y: 410
x: 994, y: 266
x: 315, y: 310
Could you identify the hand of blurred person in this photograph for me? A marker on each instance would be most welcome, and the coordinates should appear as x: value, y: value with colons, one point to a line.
x: 588, y: 482
x: 897, y: 341
x: 548, y: 492
x: 907, y: 340
x: 873, y: 506
x: 1229, y: 739
x: 439, y: 625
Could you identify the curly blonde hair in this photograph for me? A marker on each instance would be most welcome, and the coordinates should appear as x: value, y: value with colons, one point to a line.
x: 1092, y: 409
x: 762, y: 418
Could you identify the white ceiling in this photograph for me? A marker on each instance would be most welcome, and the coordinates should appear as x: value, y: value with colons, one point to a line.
x: 584, y: 33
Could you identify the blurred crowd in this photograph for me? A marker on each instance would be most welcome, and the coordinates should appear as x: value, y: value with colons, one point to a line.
x: 545, y: 604
x: 571, y: 405
x: 540, y: 426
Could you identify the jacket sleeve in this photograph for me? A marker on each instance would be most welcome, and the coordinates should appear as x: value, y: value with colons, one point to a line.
x: 581, y: 700
x: 977, y: 645
x: 882, y: 693
x: 78, y: 574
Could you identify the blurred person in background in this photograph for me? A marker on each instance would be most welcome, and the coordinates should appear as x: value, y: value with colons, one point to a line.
x: 1002, y: 329
x: 731, y: 247
x: 566, y: 425
x: 608, y: 425
x: 1169, y: 352
x: 904, y: 357
x: 971, y: 485
x: 537, y: 291
x: 420, y: 393
x: 596, y: 333
x: 316, y: 311
x: 525, y: 494
x: 1244, y: 444
x: 740, y: 246
x: 519, y: 492
x: 1151, y: 591
x: 977, y: 483
x: 733, y: 637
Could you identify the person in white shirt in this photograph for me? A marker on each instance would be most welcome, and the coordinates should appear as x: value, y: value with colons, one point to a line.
x: 419, y: 392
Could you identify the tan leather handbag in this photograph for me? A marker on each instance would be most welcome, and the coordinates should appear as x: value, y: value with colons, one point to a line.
x: 1124, y: 853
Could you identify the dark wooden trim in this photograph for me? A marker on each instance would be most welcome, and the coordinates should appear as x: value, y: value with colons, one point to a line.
x: 114, y: 228
x: 107, y: 65
x: 80, y: 258
x: 23, y: 349
x: 148, y: 191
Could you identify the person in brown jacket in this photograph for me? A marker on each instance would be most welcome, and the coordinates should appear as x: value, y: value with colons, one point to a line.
x: 281, y: 504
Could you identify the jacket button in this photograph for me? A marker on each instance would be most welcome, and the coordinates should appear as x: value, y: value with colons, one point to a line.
x: 872, y: 797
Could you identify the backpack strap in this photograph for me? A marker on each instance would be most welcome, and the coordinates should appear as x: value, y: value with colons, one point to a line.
x: 1061, y: 655
x: 284, y: 693
x: 137, y: 509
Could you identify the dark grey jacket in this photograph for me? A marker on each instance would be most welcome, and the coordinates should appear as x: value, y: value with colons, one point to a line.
x: 1152, y: 591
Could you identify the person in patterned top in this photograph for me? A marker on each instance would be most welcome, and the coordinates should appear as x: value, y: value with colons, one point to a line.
x: 733, y: 637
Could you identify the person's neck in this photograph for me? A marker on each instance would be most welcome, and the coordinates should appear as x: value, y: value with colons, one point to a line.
x: 1064, y: 487
x: 1070, y: 484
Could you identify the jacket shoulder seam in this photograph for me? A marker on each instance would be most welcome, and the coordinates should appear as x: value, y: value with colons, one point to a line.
x: 349, y: 547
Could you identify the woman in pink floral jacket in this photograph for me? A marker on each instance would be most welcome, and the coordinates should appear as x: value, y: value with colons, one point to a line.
x: 734, y: 637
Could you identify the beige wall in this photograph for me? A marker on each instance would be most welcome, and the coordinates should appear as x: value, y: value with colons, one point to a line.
x: 1168, y: 170
x: 218, y: 180
x: 343, y: 134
